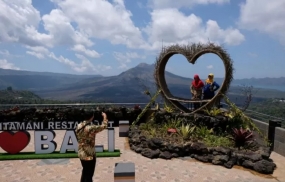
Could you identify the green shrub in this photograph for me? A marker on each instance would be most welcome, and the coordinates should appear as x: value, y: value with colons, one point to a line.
x: 213, y: 112
x: 185, y: 131
x: 218, y: 141
x: 172, y: 123
x: 202, y: 132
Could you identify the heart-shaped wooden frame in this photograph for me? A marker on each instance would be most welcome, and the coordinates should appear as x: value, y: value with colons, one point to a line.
x: 192, y: 53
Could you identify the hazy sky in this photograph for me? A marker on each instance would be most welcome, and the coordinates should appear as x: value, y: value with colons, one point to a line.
x: 108, y: 37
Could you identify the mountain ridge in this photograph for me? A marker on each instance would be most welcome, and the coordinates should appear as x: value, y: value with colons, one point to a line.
x: 126, y: 86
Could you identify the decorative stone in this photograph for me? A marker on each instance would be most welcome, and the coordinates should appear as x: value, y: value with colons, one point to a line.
x: 165, y: 155
x: 150, y: 153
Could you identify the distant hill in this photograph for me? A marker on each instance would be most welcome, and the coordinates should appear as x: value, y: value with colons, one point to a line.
x: 20, y: 95
x: 125, y: 87
x: 262, y: 81
x: 129, y: 86
x: 29, y: 80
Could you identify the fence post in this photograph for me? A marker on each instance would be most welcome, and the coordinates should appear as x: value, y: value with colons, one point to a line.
x: 271, y: 132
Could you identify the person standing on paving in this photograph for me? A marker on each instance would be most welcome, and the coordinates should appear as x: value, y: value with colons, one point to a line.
x: 86, y: 133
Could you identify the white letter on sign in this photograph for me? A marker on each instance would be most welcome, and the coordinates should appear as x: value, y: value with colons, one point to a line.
x: 40, y: 141
x: 66, y: 144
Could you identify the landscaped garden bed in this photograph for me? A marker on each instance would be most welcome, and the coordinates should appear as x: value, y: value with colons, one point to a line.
x: 213, y: 136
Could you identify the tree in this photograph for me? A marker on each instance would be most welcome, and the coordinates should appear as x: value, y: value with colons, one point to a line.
x: 9, y: 88
x: 247, y: 92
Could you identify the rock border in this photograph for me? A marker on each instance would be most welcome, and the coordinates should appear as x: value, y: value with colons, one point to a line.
x: 157, y: 148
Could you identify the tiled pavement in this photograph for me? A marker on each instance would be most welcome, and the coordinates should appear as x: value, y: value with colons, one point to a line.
x: 147, y: 170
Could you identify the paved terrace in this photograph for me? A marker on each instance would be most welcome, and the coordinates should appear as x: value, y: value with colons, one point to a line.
x: 147, y: 170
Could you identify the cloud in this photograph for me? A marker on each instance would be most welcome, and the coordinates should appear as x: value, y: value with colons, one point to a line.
x: 37, y: 51
x: 169, y: 69
x: 5, y: 53
x: 18, y: 23
x: 75, y: 26
x: 4, y: 64
x: 22, y: 26
x: 264, y: 16
x: 190, y: 28
x: 140, y: 5
x: 58, y: 24
x: 210, y: 66
x: 253, y: 55
x: 38, y: 55
x: 84, y: 66
x: 125, y: 58
x: 117, y: 26
x: 160, y: 4
x: 97, y: 68
x: 87, y: 52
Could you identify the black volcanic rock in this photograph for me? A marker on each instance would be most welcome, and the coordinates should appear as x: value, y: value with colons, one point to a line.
x: 228, y: 157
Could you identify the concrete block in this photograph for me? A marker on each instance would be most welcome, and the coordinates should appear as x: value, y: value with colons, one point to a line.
x: 124, y: 172
x: 261, y: 125
x: 279, y: 148
x: 124, y: 127
x: 258, y: 138
x: 280, y: 139
x: 99, y: 148
x: 280, y: 132
x: 281, y: 152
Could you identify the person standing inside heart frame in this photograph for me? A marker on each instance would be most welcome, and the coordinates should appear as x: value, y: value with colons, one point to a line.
x: 86, y: 133
x: 210, y: 87
x: 196, y: 90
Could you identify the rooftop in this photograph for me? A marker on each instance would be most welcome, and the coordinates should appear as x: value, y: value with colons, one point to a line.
x: 147, y: 170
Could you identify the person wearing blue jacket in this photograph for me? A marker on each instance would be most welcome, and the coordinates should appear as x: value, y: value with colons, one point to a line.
x: 210, y: 87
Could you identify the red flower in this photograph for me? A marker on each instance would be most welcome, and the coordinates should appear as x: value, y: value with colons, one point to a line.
x: 137, y: 107
x: 171, y: 130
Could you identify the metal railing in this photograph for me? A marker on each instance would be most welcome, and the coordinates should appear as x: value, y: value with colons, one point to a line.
x: 72, y: 104
x: 258, y: 116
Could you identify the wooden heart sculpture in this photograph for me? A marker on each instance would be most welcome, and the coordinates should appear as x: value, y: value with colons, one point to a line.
x: 192, y: 53
x: 13, y: 143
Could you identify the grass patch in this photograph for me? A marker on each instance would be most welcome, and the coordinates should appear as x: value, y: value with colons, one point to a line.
x: 54, y: 155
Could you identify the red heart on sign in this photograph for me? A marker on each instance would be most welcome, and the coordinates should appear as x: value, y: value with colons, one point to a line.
x: 13, y: 143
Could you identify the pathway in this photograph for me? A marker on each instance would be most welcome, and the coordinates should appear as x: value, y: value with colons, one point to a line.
x: 147, y: 170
